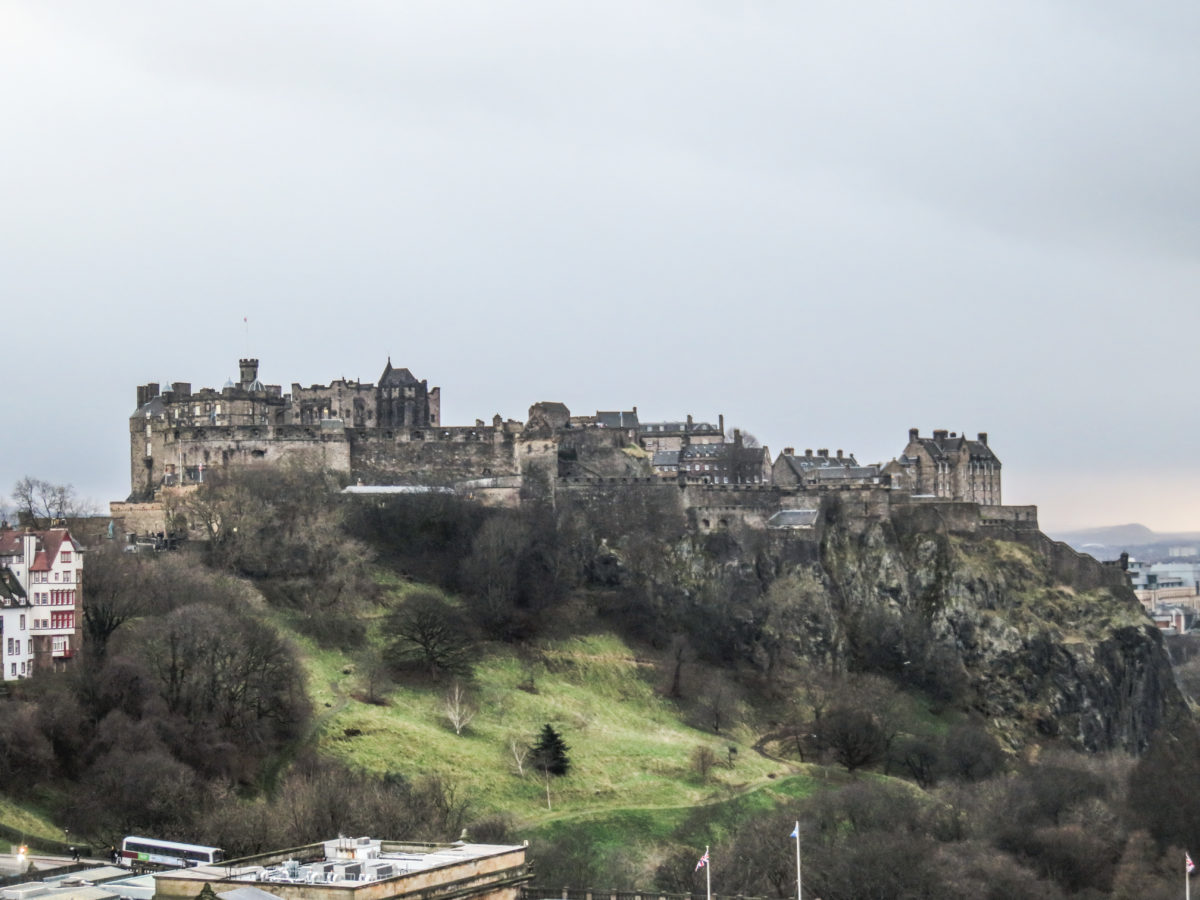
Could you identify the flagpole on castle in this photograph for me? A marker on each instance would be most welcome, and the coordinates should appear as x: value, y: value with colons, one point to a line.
x: 708, y: 874
x: 799, y: 883
x: 1188, y: 867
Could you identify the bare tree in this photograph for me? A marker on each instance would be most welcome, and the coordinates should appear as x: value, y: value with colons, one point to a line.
x: 703, y: 760
x: 520, y: 753
x: 459, y: 707
x: 39, y: 504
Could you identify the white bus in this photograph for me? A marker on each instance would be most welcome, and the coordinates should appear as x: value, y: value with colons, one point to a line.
x: 142, y: 851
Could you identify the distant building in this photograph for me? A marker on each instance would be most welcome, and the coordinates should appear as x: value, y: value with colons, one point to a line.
x: 724, y: 463
x: 816, y: 469
x: 358, y: 869
x: 948, y: 466
x: 655, y: 436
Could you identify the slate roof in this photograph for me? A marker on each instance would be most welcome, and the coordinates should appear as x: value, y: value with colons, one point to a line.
x: 704, y: 451
x: 793, y: 518
x: 667, y: 458
x: 678, y: 428
x: 843, y: 473
x: 804, y: 465
x: 952, y: 446
x: 396, y: 377
x: 155, y: 406
x: 11, y: 592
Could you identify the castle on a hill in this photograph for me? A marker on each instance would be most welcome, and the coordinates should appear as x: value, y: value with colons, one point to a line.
x: 389, y: 434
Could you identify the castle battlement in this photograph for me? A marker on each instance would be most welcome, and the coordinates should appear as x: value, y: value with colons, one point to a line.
x: 389, y: 433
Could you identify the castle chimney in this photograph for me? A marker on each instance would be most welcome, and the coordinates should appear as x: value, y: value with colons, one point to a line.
x: 983, y: 438
x: 824, y: 451
x: 808, y: 453
x: 913, y: 434
x: 940, y: 435
x: 789, y: 451
x: 249, y: 371
x: 721, y: 422
x: 689, y: 422
x: 839, y: 453
x: 737, y: 437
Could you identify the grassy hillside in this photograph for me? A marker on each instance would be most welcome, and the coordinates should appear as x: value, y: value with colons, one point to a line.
x: 629, y: 748
x: 633, y: 792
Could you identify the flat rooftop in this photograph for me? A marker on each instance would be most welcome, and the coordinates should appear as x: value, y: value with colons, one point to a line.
x: 383, y: 868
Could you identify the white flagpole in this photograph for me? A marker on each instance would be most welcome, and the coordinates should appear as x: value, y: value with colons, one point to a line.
x: 707, y: 873
x: 799, y: 883
x: 1187, y: 880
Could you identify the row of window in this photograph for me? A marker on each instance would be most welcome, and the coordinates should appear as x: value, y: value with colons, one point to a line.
x: 14, y: 669
x: 53, y: 598
x: 68, y: 576
x: 14, y: 646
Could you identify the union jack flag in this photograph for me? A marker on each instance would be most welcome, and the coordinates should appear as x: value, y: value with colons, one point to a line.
x: 1191, y: 866
x: 703, y: 861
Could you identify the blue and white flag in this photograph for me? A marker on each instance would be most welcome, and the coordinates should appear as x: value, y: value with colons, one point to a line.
x: 795, y: 831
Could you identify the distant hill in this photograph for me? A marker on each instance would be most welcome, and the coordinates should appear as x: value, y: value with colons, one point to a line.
x: 1108, y: 542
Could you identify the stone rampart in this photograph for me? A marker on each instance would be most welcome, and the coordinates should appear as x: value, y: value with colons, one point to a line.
x: 430, y: 455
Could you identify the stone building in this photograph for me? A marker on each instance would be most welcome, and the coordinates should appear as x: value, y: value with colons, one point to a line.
x: 814, y: 469
x: 655, y: 436
x: 397, y: 401
x: 948, y: 466
x: 175, y: 434
x: 724, y: 463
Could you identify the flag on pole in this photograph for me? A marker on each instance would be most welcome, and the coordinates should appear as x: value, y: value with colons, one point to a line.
x: 795, y: 831
x: 703, y: 861
x: 1191, y: 866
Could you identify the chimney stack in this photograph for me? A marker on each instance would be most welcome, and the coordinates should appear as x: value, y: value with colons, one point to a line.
x: 983, y: 438
x: 789, y: 451
x: 839, y: 453
x: 913, y: 434
x: 823, y: 452
x: 940, y: 435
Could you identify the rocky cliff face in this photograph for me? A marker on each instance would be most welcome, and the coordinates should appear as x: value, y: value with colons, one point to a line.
x: 1040, y: 640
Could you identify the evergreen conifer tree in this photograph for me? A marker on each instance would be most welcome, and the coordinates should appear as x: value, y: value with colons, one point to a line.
x: 549, y: 754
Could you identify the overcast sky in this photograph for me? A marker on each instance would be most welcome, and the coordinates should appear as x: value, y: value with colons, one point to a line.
x: 829, y: 221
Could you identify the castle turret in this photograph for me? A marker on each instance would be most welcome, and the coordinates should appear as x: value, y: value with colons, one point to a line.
x: 249, y: 371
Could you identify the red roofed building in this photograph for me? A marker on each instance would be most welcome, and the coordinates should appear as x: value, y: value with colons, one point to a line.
x: 48, y: 568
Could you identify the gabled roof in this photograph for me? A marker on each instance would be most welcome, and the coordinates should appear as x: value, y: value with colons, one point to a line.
x: 953, y: 446
x: 396, y: 377
x: 10, y: 587
x: 12, y: 543
x: 665, y: 458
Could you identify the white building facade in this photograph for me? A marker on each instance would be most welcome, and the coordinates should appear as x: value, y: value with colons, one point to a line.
x: 48, y: 567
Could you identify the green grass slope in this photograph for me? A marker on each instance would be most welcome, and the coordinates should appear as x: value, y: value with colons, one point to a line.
x: 629, y: 749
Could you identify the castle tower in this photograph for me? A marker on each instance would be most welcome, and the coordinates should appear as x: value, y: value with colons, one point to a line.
x: 249, y: 371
